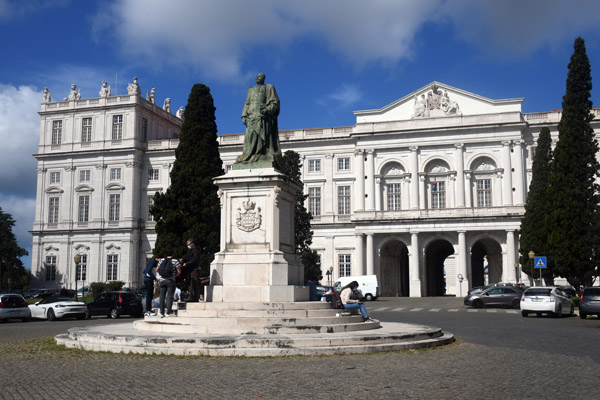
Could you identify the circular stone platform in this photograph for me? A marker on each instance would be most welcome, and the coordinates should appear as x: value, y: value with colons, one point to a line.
x: 255, y: 329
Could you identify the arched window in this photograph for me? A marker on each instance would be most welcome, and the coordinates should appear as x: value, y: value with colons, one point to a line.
x: 483, y: 169
x: 437, y: 180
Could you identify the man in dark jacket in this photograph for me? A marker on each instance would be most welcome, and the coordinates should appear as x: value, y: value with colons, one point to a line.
x: 149, y: 279
x: 191, y: 270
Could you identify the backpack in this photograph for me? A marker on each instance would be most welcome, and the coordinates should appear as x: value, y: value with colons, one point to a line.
x: 336, y: 301
x: 165, y: 268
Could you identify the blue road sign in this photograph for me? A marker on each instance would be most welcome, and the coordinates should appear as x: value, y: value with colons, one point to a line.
x: 539, y: 262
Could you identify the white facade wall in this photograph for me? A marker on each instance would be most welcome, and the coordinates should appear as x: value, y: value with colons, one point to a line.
x: 416, y: 245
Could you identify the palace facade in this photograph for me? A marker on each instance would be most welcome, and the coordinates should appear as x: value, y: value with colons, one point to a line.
x: 427, y: 192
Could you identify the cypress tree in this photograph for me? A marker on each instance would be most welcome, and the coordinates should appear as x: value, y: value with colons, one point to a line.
x: 574, y: 216
x: 11, y: 265
x: 291, y: 166
x: 190, y: 207
x: 534, y: 234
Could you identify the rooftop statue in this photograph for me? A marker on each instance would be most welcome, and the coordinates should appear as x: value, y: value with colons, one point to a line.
x: 105, y: 89
x: 261, y: 141
x: 180, y: 113
x: 167, y: 105
x: 133, y: 88
x: 151, y: 96
x: 46, y: 98
x: 74, y: 94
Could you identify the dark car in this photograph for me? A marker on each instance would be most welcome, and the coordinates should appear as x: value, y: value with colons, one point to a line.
x: 13, y: 306
x: 115, y: 304
x: 589, y: 302
x: 508, y: 296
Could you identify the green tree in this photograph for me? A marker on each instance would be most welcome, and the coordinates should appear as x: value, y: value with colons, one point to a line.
x: 534, y: 234
x: 11, y: 266
x: 190, y: 207
x: 574, y: 216
x: 291, y: 166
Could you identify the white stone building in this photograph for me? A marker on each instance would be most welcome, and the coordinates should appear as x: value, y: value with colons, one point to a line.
x: 423, y: 190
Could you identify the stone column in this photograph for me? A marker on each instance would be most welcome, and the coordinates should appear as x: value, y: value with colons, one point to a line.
x: 370, y: 255
x: 359, y: 255
x: 359, y: 183
x: 507, y: 177
x: 468, y: 191
x: 414, y: 178
x: 370, y: 181
x: 462, y: 262
x: 509, y: 269
x: 460, y: 175
x: 519, y: 185
x: 328, y: 196
x: 378, y: 191
x: 415, y: 256
x: 422, y: 195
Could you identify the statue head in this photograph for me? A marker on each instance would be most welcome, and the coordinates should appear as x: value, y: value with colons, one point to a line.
x: 104, y: 83
x: 260, y: 78
x: 73, y: 86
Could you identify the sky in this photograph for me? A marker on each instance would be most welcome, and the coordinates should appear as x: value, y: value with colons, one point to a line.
x: 326, y: 58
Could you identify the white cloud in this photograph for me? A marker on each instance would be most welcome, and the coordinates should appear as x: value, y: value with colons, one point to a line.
x: 10, y: 9
x: 19, y: 135
x: 344, y: 97
x: 216, y: 37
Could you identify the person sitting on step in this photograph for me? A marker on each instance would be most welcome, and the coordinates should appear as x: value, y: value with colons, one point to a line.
x: 352, y: 304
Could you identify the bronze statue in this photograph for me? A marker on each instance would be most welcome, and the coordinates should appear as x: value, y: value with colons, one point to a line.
x: 261, y: 142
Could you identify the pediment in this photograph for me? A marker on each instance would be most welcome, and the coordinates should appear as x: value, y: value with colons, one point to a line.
x: 54, y: 190
x: 84, y: 188
x: 438, y: 100
x: 114, y: 186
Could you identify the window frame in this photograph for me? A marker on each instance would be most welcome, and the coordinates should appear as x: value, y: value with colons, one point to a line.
x: 53, y: 209
x: 112, y: 267
x: 55, y: 177
x: 393, y: 197
x: 153, y: 174
x: 115, y: 174
x: 86, y: 130
x: 344, y: 200
x: 117, y: 127
x: 114, y: 207
x: 57, y: 126
x: 50, y: 265
x: 344, y: 264
x: 87, y: 173
x: 314, y: 165
x: 81, y: 273
x: 314, y: 201
x: 343, y: 164
x: 438, y: 197
x: 484, y: 195
x: 83, y: 209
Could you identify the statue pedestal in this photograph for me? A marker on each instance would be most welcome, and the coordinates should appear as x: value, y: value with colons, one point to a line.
x: 256, y: 262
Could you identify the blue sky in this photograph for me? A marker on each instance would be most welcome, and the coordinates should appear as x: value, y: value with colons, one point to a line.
x: 327, y: 58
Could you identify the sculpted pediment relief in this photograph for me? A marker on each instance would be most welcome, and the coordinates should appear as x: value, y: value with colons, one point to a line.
x: 434, y: 103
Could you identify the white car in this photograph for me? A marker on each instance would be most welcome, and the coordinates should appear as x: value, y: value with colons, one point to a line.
x: 55, y: 307
x: 546, y: 299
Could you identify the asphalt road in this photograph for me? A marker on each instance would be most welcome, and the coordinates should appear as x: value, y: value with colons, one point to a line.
x: 498, y: 355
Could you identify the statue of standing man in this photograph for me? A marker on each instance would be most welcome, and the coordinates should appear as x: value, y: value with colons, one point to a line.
x: 261, y: 142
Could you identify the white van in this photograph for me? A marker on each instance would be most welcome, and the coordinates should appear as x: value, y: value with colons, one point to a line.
x: 368, y: 285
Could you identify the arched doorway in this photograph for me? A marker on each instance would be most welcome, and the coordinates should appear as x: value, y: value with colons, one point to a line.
x: 486, y: 262
x: 393, y: 261
x: 435, y: 255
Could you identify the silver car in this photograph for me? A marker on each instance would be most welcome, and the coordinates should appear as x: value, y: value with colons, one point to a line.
x: 546, y: 300
x: 13, y: 306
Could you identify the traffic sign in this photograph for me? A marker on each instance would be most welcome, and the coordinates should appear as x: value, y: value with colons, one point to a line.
x: 539, y: 262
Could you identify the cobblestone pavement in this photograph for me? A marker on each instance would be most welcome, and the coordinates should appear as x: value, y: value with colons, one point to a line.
x: 37, y: 369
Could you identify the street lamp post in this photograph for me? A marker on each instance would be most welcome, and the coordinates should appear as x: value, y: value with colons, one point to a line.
x: 531, y: 255
x: 77, y: 260
x: 517, y: 271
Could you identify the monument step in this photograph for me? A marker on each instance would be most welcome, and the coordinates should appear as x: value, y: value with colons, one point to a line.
x: 299, y: 305
x: 220, y: 328
x: 226, y: 313
x: 393, y: 336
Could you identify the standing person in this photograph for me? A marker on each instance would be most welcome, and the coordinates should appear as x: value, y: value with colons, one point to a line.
x: 352, y: 304
x: 169, y: 269
x: 191, y: 270
x: 149, y: 279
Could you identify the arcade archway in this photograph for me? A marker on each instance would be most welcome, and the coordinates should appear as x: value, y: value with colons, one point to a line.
x: 486, y: 262
x: 435, y: 255
x: 393, y: 261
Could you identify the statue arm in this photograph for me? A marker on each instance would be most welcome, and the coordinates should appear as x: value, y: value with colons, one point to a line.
x: 272, y: 106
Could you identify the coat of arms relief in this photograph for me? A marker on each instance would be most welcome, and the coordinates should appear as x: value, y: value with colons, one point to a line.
x: 434, y: 104
x: 249, y: 218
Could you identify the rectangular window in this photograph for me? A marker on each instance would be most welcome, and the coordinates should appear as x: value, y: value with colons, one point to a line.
x: 82, y: 268
x: 117, y: 127
x: 114, y: 207
x: 314, y: 201
x: 86, y: 130
x: 344, y: 164
x: 115, y: 174
x: 314, y: 165
x: 56, y: 132
x: 50, y: 268
x: 84, y: 208
x: 484, y: 193
x: 152, y: 174
x: 54, y: 177
x: 344, y: 200
x: 438, y: 194
x: 393, y: 197
x: 112, y: 262
x: 533, y: 152
x: 344, y: 265
x: 85, y: 175
x: 144, y: 129
x: 53, y: 210
x: 150, y: 204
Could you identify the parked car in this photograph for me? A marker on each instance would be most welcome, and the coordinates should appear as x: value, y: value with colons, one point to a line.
x: 115, y: 304
x: 31, y: 293
x: 368, y: 285
x: 325, y: 291
x: 569, y: 290
x: 476, y: 289
x: 495, y: 296
x: 546, y: 299
x: 83, y: 291
x: 13, y: 306
x: 55, y: 307
x: 589, y: 302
